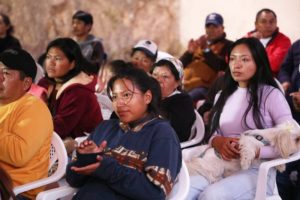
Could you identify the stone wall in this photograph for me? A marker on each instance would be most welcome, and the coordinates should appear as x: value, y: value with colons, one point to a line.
x: 120, y: 23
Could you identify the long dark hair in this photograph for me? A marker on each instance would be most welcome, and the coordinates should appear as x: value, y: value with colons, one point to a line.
x: 262, y: 76
x: 143, y: 82
x: 73, y: 53
x: 116, y: 66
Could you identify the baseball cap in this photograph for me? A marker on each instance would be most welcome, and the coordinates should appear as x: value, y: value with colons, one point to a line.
x: 19, y: 59
x: 214, y: 18
x: 147, y: 46
x: 163, y: 54
x: 176, y: 63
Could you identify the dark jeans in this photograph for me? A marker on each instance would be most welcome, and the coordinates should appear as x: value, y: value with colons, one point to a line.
x: 289, y: 189
x: 198, y: 93
x: 21, y: 197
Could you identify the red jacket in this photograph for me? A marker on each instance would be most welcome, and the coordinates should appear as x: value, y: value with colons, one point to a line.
x: 276, y: 50
x: 74, y: 108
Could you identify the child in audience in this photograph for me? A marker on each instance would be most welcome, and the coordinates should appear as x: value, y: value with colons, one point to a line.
x: 144, y: 54
x: 137, y: 156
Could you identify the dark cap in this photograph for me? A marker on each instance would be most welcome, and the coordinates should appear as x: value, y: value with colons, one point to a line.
x: 84, y: 16
x: 214, y: 18
x: 19, y: 59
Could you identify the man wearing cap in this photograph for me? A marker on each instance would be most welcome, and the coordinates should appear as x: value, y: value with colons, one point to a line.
x: 275, y: 43
x: 91, y: 47
x: 205, y: 57
x: 144, y: 54
x: 26, y: 125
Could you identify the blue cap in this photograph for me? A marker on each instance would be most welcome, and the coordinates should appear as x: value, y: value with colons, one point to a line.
x: 214, y: 18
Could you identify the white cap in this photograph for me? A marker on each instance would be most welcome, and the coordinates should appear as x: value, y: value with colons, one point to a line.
x: 163, y: 54
x: 147, y: 46
x: 176, y: 62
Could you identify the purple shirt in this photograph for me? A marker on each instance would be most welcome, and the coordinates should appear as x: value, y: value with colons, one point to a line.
x: 274, y: 109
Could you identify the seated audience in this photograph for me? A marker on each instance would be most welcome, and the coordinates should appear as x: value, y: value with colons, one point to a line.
x: 71, y: 97
x: 137, y: 156
x: 26, y: 125
x: 275, y: 42
x: 91, y: 47
x: 144, y: 54
x: 289, y: 76
x: 7, y: 40
x: 250, y: 99
x: 205, y: 58
x: 176, y: 106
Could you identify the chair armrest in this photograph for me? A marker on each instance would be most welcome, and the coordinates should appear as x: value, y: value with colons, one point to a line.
x: 57, y: 193
x: 59, y: 154
x: 264, y: 168
x: 189, y: 143
x: 181, y: 188
x: 179, y: 191
x: 39, y: 183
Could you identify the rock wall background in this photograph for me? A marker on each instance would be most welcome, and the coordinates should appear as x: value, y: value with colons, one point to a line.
x: 120, y: 23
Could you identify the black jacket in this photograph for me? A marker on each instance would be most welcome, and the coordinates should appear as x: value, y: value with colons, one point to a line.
x: 179, y: 110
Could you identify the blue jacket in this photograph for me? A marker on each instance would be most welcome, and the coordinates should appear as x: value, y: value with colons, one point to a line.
x: 135, y: 165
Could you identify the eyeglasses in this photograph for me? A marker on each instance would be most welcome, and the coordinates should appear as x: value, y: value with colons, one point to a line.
x: 124, y: 97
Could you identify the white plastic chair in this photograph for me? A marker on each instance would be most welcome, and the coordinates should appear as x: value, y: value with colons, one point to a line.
x: 181, y: 188
x: 261, y: 191
x: 179, y: 191
x: 57, y: 153
x: 197, y: 132
x: 105, y: 105
x: 40, y: 73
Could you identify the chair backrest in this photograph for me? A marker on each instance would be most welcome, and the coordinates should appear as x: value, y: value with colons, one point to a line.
x: 197, y: 132
x: 58, y: 156
x: 261, y: 191
x: 105, y: 105
x: 181, y: 187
